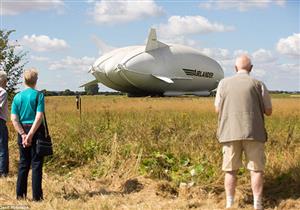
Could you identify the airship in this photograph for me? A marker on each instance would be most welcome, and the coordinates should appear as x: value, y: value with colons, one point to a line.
x: 157, y: 69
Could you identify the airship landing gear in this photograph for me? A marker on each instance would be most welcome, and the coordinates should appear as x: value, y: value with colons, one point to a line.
x: 157, y: 95
x: 153, y: 95
x: 135, y: 95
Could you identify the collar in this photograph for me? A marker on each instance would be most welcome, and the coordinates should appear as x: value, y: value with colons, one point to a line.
x: 242, y: 72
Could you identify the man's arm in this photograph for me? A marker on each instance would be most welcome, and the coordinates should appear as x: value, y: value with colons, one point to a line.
x: 15, y: 117
x: 267, y: 100
x: 18, y: 127
x: 218, y: 97
x: 3, y: 98
x: 36, y: 124
x: 38, y: 117
x: 16, y: 123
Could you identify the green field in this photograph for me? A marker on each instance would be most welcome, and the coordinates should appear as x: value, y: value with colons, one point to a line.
x: 154, y: 153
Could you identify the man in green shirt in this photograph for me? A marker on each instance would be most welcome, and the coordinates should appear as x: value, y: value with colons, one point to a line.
x: 27, y: 115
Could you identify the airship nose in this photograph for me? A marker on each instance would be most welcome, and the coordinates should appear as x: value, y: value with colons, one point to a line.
x: 92, y: 70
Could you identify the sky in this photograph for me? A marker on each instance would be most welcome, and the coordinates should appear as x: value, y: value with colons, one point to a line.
x: 63, y: 38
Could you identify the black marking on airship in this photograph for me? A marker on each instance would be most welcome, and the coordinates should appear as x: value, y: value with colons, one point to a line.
x: 198, y: 73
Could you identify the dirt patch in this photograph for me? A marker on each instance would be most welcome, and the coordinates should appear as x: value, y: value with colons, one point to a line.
x: 194, y: 205
x: 131, y: 186
x: 166, y: 190
x: 134, y: 193
x: 290, y: 204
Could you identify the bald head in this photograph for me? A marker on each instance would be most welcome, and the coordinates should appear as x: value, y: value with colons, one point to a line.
x: 243, y: 62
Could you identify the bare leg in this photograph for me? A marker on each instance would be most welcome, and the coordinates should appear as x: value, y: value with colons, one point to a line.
x: 257, y: 182
x: 230, y: 184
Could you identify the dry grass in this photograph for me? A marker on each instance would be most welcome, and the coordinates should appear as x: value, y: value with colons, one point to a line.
x: 137, y: 153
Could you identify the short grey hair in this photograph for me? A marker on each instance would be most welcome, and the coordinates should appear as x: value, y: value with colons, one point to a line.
x: 3, y: 77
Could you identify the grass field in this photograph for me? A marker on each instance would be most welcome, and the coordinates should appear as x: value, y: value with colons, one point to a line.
x: 153, y: 153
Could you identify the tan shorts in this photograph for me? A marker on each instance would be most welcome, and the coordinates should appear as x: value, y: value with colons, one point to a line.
x: 254, y: 152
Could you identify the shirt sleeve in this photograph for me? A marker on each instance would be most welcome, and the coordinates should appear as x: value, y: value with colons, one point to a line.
x: 41, y: 103
x: 3, y: 98
x: 266, y: 97
x: 14, y: 106
x: 218, y: 94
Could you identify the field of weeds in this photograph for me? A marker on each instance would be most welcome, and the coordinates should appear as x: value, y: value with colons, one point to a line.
x: 153, y: 153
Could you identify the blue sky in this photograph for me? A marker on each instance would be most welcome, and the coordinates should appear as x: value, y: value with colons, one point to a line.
x: 63, y: 38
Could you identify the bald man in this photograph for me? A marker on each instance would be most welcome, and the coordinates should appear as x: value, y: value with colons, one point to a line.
x: 242, y: 102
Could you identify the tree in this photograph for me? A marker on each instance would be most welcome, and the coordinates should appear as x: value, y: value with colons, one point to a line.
x: 11, y: 61
x: 67, y: 92
x: 91, y: 89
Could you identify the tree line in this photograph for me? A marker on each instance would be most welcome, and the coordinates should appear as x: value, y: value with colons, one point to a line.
x: 68, y: 92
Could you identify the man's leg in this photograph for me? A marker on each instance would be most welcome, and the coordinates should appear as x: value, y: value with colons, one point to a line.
x: 24, y: 166
x: 255, y: 154
x: 257, y: 182
x: 232, y: 161
x: 37, y: 173
x: 230, y: 185
x: 3, y: 149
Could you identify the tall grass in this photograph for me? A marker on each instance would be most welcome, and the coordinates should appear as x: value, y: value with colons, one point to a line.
x: 169, y: 139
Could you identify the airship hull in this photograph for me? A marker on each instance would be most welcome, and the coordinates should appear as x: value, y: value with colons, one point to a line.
x: 158, y: 68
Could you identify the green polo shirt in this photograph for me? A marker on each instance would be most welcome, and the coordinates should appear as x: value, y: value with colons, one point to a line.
x: 25, y: 107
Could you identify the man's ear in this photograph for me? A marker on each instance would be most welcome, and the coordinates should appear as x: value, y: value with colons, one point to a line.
x: 250, y: 68
x: 236, y: 69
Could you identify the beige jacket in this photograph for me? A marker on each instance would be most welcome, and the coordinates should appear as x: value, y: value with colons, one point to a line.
x: 241, y: 109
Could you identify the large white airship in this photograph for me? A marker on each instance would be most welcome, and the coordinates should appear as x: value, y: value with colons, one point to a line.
x: 157, y: 69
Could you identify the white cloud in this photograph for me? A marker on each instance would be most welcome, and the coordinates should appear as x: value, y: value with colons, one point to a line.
x: 226, y: 58
x: 102, y: 46
x: 217, y: 53
x: 259, y: 73
x: 280, y: 2
x: 267, y: 67
x: 178, y: 40
x: 39, y: 58
x: 43, y: 43
x: 78, y: 65
x: 187, y: 25
x: 124, y: 11
x: 263, y: 56
x: 293, y: 68
x: 239, y: 52
x: 240, y: 5
x: 289, y: 46
x: 15, y: 7
x: 284, y: 76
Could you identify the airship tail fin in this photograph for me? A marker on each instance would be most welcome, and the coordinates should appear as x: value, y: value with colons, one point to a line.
x: 152, y: 42
x: 89, y: 83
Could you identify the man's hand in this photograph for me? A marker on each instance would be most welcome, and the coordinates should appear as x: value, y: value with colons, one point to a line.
x: 216, y: 109
x: 24, y: 135
x: 268, y: 111
x: 28, y: 140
